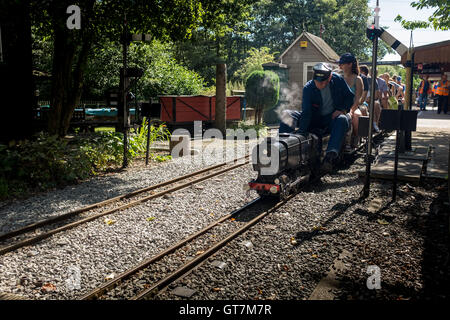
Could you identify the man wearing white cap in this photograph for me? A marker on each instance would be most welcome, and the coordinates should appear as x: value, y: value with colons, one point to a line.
x: 325, y: 106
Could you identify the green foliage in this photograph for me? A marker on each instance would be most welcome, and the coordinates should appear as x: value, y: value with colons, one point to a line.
x: 262, y: 91
x: 235, y: 85
x: 163, y: 158
x: 412, y: 25
x: 278, y: 23
x: 163, y: 75
x: 346, y: 31
x: 261, y: 128
x: 256, y: 58
x: 439, y: 20
x: 42, y: 48
x: 211, y: 91
x: 43, y: 163
x: 101, y: 21
x: 49, y: 162
x: 222, y: 37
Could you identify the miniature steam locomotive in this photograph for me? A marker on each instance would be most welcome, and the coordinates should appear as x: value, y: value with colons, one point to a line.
x: 284, y: 162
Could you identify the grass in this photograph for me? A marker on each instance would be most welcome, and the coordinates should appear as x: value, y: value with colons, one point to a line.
x: 105, y: 129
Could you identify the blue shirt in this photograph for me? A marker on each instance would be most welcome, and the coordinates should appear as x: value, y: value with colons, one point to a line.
x: 313, y: 105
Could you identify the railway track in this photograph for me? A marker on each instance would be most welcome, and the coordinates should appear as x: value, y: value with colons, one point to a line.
x: 144, y: 270
x: 144, y: 281
x: 17, y: 238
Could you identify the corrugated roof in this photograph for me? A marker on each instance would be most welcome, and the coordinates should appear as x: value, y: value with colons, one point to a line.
x: 319, y: 43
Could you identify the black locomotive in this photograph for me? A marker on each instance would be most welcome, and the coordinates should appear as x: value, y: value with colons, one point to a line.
x: 284, y: 162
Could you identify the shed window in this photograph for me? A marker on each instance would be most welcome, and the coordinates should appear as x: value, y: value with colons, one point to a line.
x: 309, y: 73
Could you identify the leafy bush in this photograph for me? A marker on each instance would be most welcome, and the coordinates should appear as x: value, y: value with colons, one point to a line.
x: 163, y: 75
x: 211, y: 91
x: 43, y: 163
x: 256, y: 58
x: 262, y: 90
x: 261, y: 129
x: 48, y: 162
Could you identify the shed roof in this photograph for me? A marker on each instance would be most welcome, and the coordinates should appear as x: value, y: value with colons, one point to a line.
x: 274, y: 64
x: 319, y: 43
x: 438, y: 52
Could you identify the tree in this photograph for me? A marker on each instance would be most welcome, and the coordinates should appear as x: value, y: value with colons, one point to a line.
x: 221, y: 38
x: 163, y: 75
x: 346, y: 31
x: 439, y: 20
x: 168, y: 19
x: 278, y: 23
x: 254, y: 61
x: 262, y: 91
x: 16, y: 80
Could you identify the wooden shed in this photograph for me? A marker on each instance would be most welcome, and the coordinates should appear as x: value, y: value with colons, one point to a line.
x: 303, y: 54
x: 295, y: 68
x: 431, y: 59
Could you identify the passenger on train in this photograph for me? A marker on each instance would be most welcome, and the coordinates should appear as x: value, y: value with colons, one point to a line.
x: 400, y: 89
x: 350, y: 68
x: 383, y: 97
x: 363, y: 105
x: 377, y: 107
x: 388, y: 94
x: 326, y: 104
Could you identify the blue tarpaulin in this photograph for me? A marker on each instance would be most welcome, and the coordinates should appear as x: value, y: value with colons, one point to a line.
x: 101, y: 112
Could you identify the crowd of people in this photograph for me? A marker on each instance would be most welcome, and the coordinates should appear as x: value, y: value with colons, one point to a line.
x: 334, y: 100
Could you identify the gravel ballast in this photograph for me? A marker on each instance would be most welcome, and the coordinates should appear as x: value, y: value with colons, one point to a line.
x: 97, y: 250
x: 294, y: 247
x: 291, y: 250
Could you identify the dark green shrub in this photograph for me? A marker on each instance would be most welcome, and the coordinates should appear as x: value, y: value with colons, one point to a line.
x: 48, y: 162
x: 262, y: 90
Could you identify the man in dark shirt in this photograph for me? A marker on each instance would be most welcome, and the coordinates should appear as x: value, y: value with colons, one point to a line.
x: 326, y: 103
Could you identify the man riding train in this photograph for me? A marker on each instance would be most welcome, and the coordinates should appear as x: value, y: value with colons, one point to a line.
x: 327, y: 100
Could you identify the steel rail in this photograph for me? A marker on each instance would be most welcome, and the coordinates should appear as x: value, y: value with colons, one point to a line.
x: 94, y: 294
x: 186, y: 268
x: 40, y: 237
x: 70, y: 214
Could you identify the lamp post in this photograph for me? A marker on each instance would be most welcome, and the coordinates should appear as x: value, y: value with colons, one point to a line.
x: 124, y: 94
x: 372, y: 33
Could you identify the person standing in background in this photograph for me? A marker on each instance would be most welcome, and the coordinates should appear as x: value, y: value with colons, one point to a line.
x: 424, y: 90
x: 442, y: 91
x: 433, y: 90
